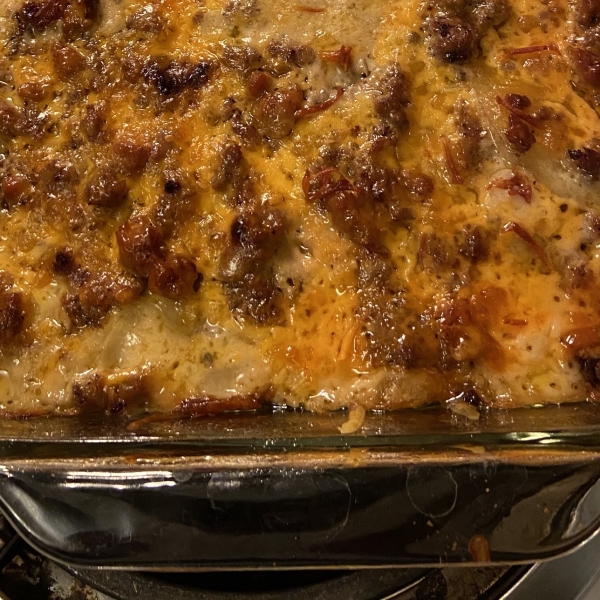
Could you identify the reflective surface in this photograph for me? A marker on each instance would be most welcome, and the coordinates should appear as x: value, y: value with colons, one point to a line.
x: 287, y: 491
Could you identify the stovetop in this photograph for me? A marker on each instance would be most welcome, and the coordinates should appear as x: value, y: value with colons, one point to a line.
x: 26, y: 575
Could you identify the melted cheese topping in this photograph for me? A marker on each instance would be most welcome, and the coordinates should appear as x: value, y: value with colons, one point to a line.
x: 425, y: 253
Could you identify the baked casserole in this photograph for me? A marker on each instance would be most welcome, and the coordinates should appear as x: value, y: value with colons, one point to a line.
x: 210, y: 205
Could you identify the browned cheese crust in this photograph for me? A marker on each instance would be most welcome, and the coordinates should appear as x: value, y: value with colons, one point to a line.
x: 206, y: 205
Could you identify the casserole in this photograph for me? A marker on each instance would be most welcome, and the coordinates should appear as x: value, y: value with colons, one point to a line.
x: 293, y: 180
x: 209, y: 207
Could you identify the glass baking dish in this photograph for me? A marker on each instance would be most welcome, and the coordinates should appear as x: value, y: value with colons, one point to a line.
x: 285, y: 489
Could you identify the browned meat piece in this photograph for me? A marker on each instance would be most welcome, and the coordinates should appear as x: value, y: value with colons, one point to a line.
x: 258, y: 83
x: 231, y: 159
x: 94, y: 121
x: 91, y: 8
x: 481, y: 15
x: 12, y: 120
x: 518, y: 101
x: 255, y: 296
x: 174, y: 277
x: 12, y: 316
x: 80, y: 16
x: 58, y: 175
x: 33, y: 91
x: 244, y: 8
x: 255, y: 237
x: 590, y: 39
x: 394, y: 333
x: 296, y: 54
x: 451, y: 39
x: 392, y: 337
x: 88, y: 309
x: 233, y: 175
x: 418, y: 185
x: 587, y: 65
x: 437, y: 253
x: 176, y: 204
x: 516, y: 104
x: 80, y: 315
x: 89, y: 392
x: 407, y: 188
x: 249, y: 286
x: 476, y: 246
x: 473, y: 398
x: 444, y: 6
x: 490, y: 13
x: 125, y: 288
x: 587, y: 161
x: 519, y: 134
x: 587, y: 13
x: 241, y: 58
x: 353, y: 218
x: 107, y: 190
x: 377, y: 183
x: 16, y: 189
x: 393, y: 97
x: 469, y: 130
x: 146, y: 19
x: 227, y: 110
x: 170, y: 77
x: 132, y: 153
x: 590, y: 369
x: 384, y: 136
x: 140, y: 244
x: 68, y: 61
x: 91, y: 296
x: 113, y: 393
x: 246, y: 131
x: 64, y: 262
x: 142, y: 248
x: 463, y: 154
x: 463, y: 328
x: 132, y: 64
x: 126, y: 390
x: 39, y: 14
x: 6, y: 281
x: 351, y: 210
x: 373, y: 271
x: 162, y: 144
x: 413, y: 349
x: 275, y: 113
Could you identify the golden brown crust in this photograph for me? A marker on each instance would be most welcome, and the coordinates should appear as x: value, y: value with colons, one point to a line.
x: 360, y: 204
